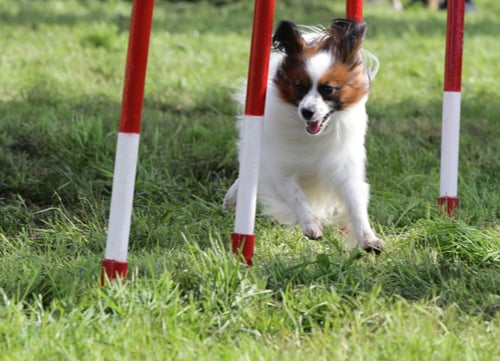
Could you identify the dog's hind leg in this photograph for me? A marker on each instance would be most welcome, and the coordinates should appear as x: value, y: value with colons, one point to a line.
x: 230, y: 197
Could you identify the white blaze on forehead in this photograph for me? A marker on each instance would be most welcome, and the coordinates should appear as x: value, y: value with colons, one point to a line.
x: 318, y: 64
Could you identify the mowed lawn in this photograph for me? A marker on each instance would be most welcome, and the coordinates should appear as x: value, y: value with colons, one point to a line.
x: 433, y: 294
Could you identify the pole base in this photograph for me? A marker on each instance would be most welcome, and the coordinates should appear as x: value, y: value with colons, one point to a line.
x: 243, y: 246
x: 112, y: 270
x: 448, y: 204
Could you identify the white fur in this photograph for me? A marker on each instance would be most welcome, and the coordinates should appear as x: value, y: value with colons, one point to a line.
x: 312, y: 180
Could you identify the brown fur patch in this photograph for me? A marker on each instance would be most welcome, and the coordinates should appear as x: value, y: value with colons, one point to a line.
x: 351, y: 82
x: 292, y: 80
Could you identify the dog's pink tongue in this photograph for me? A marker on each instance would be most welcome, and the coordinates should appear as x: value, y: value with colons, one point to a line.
x: 313, y: 127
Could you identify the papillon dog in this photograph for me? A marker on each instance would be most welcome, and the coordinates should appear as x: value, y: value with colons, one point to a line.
x: 312, y: 166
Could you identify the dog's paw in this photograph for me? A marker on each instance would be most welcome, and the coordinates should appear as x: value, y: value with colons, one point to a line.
x: 312, y: 229
x: 373, y: 246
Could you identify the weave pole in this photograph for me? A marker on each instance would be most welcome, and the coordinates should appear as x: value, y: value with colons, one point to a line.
x: 243, y: 238
x: 115, y: 262
x: 354, y: 10
x: 450, y: 132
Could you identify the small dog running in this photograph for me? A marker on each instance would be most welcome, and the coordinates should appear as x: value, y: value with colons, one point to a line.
x: 312, y: 167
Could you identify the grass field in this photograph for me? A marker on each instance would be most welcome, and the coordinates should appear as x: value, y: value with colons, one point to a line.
x: 434, y: 294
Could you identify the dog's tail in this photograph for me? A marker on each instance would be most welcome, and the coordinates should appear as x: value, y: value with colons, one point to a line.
x: 371, y: 63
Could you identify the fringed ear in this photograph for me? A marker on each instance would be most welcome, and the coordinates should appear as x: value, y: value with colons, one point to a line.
x: 349, y: 37
x: 287, y: 38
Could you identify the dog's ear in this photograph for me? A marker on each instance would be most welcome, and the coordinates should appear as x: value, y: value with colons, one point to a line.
x: 349, y: 36
x: 287, y: 38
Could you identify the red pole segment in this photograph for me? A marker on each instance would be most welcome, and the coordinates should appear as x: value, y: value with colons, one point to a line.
x: 454, y: 45
x: 448, y: 198
x: 115, y: 262
x: 354, y: 10
x: 243, y: 237
x: 260, y: 52
x: 135, y: 71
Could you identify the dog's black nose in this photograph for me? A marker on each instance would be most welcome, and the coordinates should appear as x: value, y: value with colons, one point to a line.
x: 306, y: 113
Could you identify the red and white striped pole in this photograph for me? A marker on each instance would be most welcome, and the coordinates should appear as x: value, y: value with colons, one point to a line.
x: 115, y: 262
x: 448, y: 198
x: 243, y: 237
x: 354, y: 10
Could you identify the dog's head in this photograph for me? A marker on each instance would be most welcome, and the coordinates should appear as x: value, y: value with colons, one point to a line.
x: 323, y: 73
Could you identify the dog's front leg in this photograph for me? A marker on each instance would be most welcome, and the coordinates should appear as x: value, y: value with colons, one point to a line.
x: 297, y: 201
x: 355, y: 195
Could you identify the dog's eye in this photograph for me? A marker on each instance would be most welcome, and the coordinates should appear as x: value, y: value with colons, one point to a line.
x: 300, y: 89
x: 327, y: 90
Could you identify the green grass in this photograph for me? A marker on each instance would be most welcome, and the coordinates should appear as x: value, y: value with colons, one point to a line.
x: 434, y: 294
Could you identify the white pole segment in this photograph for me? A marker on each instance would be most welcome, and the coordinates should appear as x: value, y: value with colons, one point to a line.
x: 122, y: 195
x: 248, y: 175
x: 450, y: 144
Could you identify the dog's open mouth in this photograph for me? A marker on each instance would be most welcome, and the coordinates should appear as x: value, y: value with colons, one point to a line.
x: 315, y: 126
